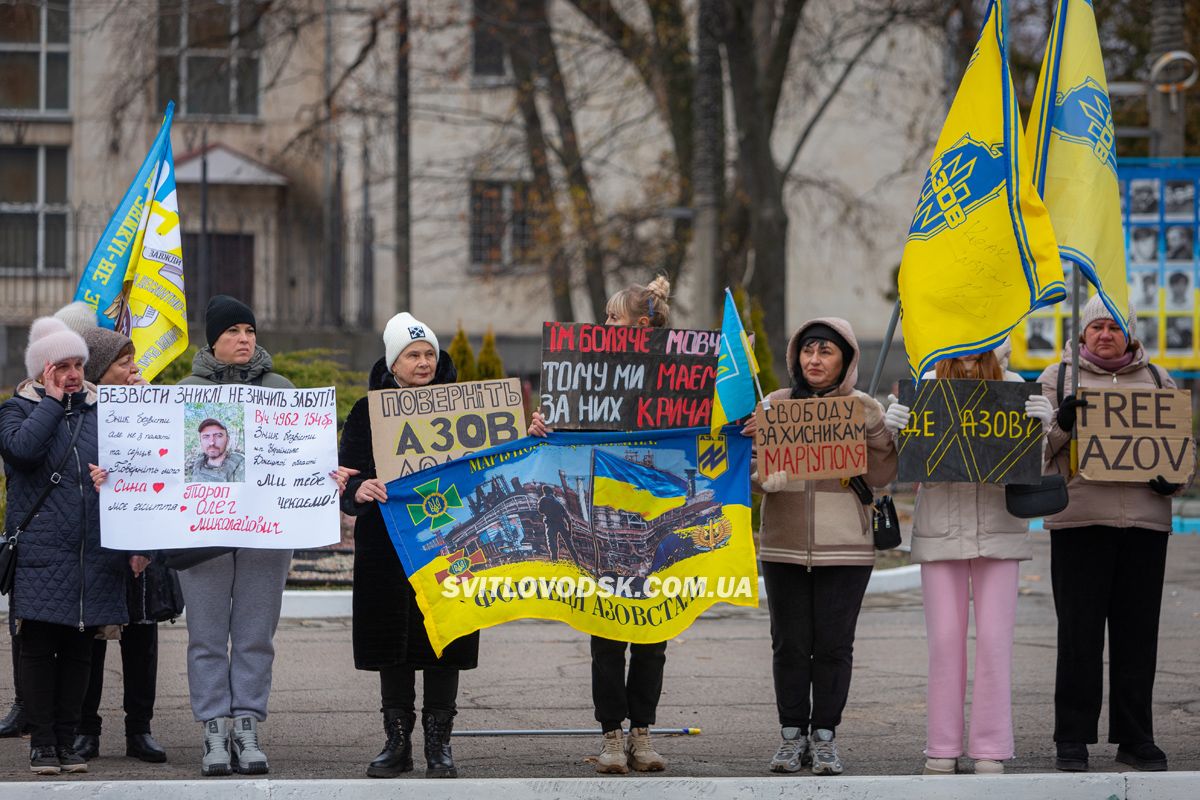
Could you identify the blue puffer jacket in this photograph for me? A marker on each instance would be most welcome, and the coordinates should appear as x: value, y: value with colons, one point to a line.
x: 63, y: 575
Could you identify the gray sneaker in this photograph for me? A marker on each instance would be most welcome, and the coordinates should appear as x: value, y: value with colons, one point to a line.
x: 216, y: 748
x: 793, y: 753
x: 825, y: 759
x: 248, y: 758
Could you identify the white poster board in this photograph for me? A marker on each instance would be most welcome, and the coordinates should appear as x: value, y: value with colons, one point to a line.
x: 257, y: 475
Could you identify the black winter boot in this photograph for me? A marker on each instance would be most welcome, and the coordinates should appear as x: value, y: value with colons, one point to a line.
x: 396, y: 755
x: 13, y: 723
x: 439, y: 760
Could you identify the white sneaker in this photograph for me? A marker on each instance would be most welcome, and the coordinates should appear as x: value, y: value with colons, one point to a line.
x: 216, y: 748
x: 248, y: 757
x: 793, y: 754
x: 642, y: 755
x: 988, y: 766
x: 825, y: 758
x: 940, y: 766
x: 612, y: 759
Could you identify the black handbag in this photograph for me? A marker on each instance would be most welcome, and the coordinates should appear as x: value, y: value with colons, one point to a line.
x: 157, y: 596
x: 1030, y: 500
x: 885, y: 524
x: 8, y: 551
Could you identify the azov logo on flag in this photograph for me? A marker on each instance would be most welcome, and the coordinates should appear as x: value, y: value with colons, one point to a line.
x: 960, y: 180
x: 1083, y: 115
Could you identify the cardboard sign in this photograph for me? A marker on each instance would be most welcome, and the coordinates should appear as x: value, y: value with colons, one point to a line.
x: 824, y: 437
x: 419, y: 427
x: 970, y: 431
x: 615, y: 378
x: 1133, y: 435
x: 224, y: 466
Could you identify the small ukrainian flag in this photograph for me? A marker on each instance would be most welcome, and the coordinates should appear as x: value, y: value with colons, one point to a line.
x: 733, y: 394
x: 627, y: 486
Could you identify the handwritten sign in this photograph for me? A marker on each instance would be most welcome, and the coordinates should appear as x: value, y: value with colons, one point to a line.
x: 1136, y: 434
x: 824, y: 437
x: 612, y: 378
x: 228, y: 466
x: 417, y: 428
x: 970, y: 431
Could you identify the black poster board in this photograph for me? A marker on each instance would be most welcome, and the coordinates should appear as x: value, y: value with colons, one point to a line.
x: 617, y: 378
x: 970, y: 431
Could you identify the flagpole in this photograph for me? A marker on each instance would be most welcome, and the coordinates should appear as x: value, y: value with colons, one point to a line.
x: 883, y: 351
x: 592, y: 514
x: 1076, y: 335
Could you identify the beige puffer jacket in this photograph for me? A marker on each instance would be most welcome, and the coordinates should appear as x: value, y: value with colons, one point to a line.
x: 822, y: 523
x: 959, y: 521
x: 1117, y: 505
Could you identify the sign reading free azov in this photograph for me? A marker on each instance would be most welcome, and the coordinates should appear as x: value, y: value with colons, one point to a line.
x: 1134, y: 435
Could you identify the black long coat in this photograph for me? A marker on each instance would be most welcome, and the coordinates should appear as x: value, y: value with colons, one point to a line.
x: 389, y: 628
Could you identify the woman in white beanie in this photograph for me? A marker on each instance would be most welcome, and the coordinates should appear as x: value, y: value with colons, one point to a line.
x: 389, y: 629
x: 1108, y: 552
x: 66, y: 585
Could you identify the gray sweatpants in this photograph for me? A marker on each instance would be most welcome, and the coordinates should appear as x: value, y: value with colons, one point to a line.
x: 232, y: 610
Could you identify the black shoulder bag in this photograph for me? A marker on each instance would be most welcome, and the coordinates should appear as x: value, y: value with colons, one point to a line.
x: 885, y: 522
x: 8, y: 545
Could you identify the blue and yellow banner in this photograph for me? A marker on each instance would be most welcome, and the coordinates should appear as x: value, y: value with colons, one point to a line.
x: 1073, y: 141
x: 134, y: 278
x: 620, y: 535
x: 981, y: 252
x: 733, y: 395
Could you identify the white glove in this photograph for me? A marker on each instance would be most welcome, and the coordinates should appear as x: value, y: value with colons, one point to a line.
x: 1038, y: 406
x: 896, y: 416
x: 774, y: 482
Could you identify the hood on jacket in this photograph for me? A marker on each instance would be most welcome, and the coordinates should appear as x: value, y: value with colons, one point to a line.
x: 205, y: 365
x: 32, y: 389
x: 382, y: 378
x: 1140, y: 359
x: 849, y: 371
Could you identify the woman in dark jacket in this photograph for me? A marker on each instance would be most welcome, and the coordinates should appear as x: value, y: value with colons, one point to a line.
x: 66, y: 585
x: 389, y: 629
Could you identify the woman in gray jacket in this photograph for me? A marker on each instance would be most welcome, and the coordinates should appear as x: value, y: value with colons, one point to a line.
x: 970, y: 549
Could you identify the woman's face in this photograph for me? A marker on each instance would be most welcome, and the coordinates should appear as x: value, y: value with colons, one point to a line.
x: 416, y: 365
x: 122, y: 372
x: 236, y: 345
x: 820, y: 363
x: 1104, y: 338
x: 69, y: 373
x: 970, y: 364
x: 626, y: 319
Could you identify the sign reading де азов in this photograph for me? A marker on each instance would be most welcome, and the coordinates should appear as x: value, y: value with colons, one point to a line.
x: 614, y: 378
x: 969, y: 431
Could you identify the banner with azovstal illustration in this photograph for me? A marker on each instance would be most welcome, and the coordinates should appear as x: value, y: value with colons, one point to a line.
x: 625, y: 536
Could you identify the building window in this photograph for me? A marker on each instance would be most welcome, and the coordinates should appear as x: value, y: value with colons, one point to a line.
x: 208, y: 56
x: 33, y: 208
x: 230, y: 270
x: 503, y: 224
x: 35, y: 55
x: 488, y: 59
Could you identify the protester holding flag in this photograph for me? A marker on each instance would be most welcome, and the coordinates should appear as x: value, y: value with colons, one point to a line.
x: 1108, y: 552
x: 66, y: 585
x: 970, y: 549
x: 389, y: 629
x: 618, y: 697
x: 817, y: 552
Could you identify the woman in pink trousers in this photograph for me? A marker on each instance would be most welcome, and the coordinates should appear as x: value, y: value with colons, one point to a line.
x: 969, y: 548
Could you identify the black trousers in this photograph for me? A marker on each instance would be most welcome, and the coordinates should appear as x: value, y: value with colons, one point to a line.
x: 16, y: 659
x: 618, y: 697
x: 55, y: 661
x: 1112, y: 576
x: 139, y: 675
x: 813, y: 618
x: 398, y: 688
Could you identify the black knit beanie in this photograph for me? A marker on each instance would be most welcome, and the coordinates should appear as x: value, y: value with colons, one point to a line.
x: 820, y: 331
x: 224, y: 312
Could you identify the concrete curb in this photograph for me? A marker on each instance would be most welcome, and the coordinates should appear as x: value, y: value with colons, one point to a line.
x: 1056, y: 786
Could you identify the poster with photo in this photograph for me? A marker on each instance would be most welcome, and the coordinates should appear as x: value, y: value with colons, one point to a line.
x: 1180, y: 332
x: 1143, y: 290
x: 1179, y: 296
x: 1179, y: 199
x: 1147, y: 333
x: 1179, y: 240
x: 1143, y: 199
x: 1143, y: 245
x: 1039, y: 335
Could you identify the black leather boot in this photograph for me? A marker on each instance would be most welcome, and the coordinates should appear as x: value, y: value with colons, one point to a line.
x: 396, y: 755
x: 439, y: 759
x: 87, y: 746
x: 13, y: 723
x: 143, y: 747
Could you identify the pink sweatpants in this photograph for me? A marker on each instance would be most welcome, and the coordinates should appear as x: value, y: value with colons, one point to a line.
x: 947, y: 587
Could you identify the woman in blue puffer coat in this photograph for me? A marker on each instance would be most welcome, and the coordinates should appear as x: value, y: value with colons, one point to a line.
x: 66, y: 584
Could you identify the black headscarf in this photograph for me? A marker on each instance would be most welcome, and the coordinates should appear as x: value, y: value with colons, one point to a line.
x: 820, y: 332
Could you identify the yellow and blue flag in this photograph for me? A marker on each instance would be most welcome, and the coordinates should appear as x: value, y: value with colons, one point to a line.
x: 1073, y: 141
x: 518, y: 531
x: 981, y: 252
x: 733, y: 394
x: 628, y: 486
x: 134, y: 278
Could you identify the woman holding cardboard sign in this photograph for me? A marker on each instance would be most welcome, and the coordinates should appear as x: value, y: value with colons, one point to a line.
x: 969, y: 548
x: 817, y: 552
x: 1108, y: 552
x: 389, y: 629
x: 615, y: 696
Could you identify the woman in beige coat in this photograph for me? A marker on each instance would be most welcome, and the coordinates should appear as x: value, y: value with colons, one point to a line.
x: 817, y: 553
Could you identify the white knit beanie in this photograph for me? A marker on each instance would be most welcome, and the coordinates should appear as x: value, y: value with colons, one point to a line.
x: 401, y: 331
x: 51, y: 341
x: 78, y: 316
x: 1095, y: 309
